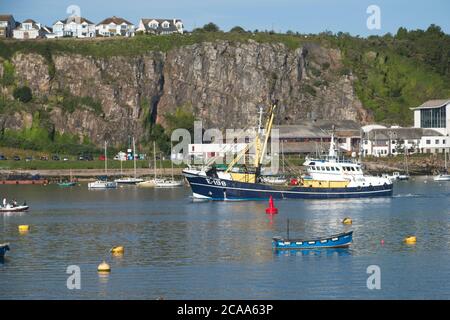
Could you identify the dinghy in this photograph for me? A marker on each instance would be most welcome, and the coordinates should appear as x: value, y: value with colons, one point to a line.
x: 10, y: 208
x: 3, y: 248
x: 341, y: 240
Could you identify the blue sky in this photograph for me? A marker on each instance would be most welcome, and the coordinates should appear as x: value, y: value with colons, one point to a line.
x: 306, y: 16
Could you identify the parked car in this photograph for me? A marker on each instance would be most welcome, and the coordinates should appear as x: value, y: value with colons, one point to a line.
x: 101, y: 157
x: 86, y: 157
x: 44, y: 158
x: 55, y: 157
x: 16, y: 158
x: 65, y: 159
x: 28, y: 159
x: 2, y: 157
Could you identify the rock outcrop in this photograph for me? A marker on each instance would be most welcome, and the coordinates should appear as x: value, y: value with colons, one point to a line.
x: 223, y: 83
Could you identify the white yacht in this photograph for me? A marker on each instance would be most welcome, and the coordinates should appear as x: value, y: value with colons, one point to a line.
x: 338, y: 172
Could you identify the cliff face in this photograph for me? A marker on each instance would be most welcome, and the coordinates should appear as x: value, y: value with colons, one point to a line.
x: 223, y: 83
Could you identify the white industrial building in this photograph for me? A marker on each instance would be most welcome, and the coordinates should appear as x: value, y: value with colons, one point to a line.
x: 430, y: 133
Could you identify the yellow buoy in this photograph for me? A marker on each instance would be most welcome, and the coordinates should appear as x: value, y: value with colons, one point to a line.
x: 103, y: 267
x: 411, y: 240
x: 119, y: 250
x: 347, y: 221
x: 24, y: 228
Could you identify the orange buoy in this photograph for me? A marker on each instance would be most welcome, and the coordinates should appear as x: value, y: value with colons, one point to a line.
x: 271, y: 209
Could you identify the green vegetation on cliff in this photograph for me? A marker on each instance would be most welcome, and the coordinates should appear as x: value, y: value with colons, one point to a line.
x: 41, y: 136
x: 393, y: 73
x: 398, y: 72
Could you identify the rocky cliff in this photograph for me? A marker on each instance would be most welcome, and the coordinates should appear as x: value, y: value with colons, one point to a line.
x: 222, y: 82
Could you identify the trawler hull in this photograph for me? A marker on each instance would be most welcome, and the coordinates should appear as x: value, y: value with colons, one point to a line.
x: 204, y: 187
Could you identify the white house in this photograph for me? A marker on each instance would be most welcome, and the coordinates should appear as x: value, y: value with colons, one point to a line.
x: 29, y: 29
x: 7, y: 25
x: 434, y: 114
x: 78, y: 27
x: 382, y: 142
x: 115, y: 26
x: 160, y: 26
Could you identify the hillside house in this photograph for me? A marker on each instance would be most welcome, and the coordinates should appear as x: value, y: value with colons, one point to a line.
x: 160, y: 26
x: 115, y: 26
x: 30, y: 29
x: 7, y: 25
x: 77, y: 27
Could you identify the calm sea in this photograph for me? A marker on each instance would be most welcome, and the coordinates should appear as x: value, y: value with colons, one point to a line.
x: 179, y: 249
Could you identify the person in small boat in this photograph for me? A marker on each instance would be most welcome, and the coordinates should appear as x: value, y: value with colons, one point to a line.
x: 4, y: 202
x: 14, y: 203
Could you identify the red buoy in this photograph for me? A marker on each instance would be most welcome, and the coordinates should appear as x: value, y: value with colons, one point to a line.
x: 271, y: 209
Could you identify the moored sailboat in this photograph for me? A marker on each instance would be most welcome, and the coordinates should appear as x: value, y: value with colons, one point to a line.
x: 443, y: 176
x: 166, y: 183
x: 151, y: 182
x: 130, y: 180
x: 103, y: 184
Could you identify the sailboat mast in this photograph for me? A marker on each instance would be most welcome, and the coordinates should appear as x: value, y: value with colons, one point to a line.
x: 406, y: 159
x: 171, y: 162
x: 445, y: 159
x: 287, y: 231
x: 154, y: 159
x: 134, y: 157
x: 106, y: 163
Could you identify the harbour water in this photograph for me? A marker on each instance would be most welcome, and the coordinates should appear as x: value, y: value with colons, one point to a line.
x: 176, y: 248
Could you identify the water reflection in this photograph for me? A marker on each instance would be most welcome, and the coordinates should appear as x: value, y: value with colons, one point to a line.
x: 179, y: 248
x: 314, y: 252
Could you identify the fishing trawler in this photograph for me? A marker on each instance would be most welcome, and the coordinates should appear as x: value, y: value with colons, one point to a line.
x: 328, y: 177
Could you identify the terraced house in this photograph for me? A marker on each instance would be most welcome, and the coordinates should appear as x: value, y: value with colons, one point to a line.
x: 160, y: 26
x: 115, y: 26
x: 7, y: 25
x: 77, y: 27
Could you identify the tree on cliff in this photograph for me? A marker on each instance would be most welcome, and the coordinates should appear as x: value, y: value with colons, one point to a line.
x: 237, y: 29
x: 211, y: 27
x: 23, y: 94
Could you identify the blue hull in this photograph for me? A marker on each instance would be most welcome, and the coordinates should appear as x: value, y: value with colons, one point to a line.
x: 219, y: 189
x: 338, y: 241
x: 3, y: 250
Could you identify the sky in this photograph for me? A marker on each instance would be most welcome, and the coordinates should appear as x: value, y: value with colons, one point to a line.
x: 304, y: 16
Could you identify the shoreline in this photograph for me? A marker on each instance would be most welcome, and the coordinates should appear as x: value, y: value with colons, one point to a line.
x: 371, y: 168
x: 89, y: 174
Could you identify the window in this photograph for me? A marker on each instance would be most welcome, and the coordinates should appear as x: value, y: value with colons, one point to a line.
x: 437, y: 141
x: 433, y: 118
x: 428, y: 141
x: 328, y: 168
x: 333, y: 169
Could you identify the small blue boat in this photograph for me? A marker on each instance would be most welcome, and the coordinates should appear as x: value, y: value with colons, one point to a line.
x: 341, y: 240
x: 3, y: 248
